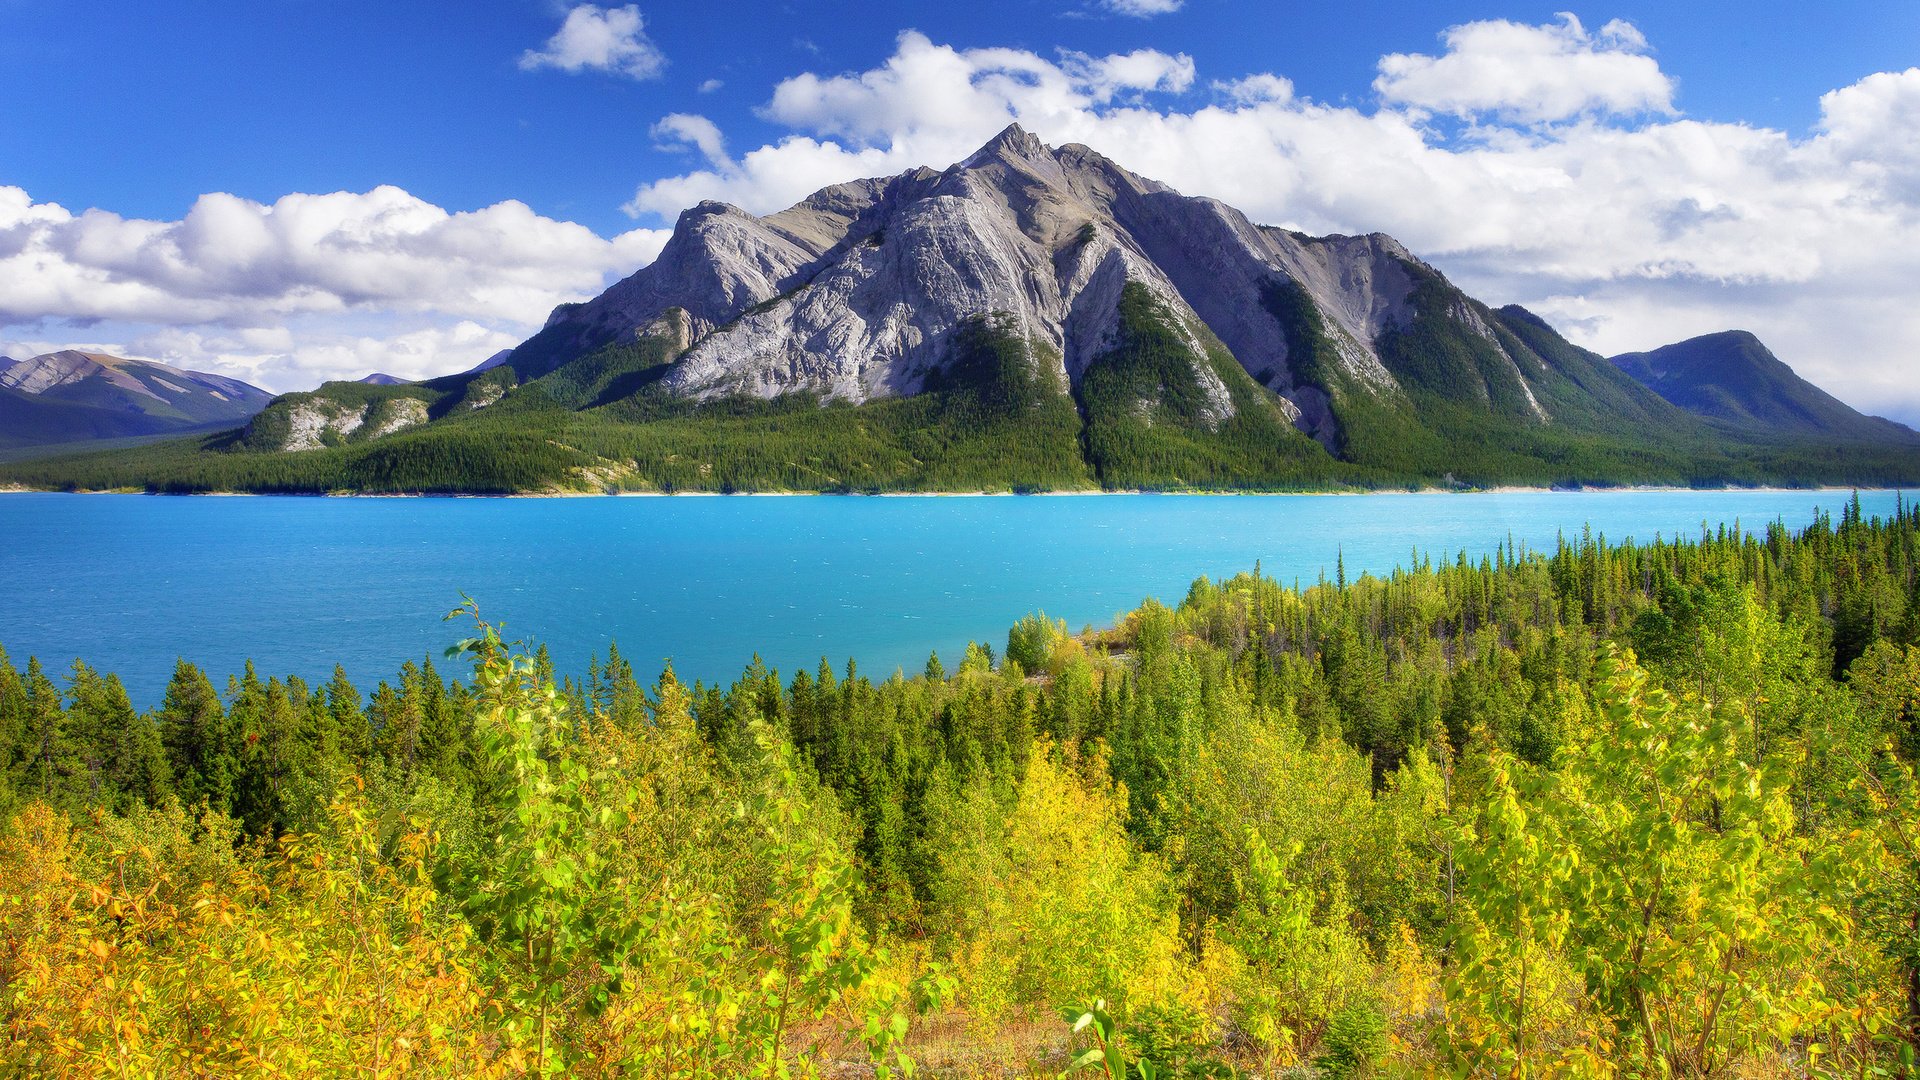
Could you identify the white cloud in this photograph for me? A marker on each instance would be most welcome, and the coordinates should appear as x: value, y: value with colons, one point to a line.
x: 1870, y: 125
x: 697, y: 131
x: 612, y: 40
x: 234, y: 260
x: 927, y: 105
x: 285, y: 360
x: 1256, y: 89
x: 233, y: 268
x: 711, y: 85
x: 1141, y: 71
x: 1142, y: 9
x: 1624, y: 224
x: 1628, y: 225
x: 1534, y: 74
x: 297, y: 357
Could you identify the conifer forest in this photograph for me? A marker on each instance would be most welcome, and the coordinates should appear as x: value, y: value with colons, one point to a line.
x: 1601, y: 810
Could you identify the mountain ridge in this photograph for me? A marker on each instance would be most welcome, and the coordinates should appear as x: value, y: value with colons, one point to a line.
x: 73, y: 395
x: 1030, y: 318
x: 1051, y: 236
x: 1732, y: 376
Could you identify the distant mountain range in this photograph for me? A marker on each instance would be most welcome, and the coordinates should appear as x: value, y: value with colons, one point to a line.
x: 70, y: 396
x: 1036, y: 318
x: 1732, y: 377
x: 490, y: 362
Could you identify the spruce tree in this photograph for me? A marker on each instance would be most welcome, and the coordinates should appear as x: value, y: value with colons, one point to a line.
x: 121, y: 750
x: 397, y: 722
x: 253, y: 798
x: 50, y: 767
x: 353, y: 739
x: 202, y: 748
x: 13, y: 727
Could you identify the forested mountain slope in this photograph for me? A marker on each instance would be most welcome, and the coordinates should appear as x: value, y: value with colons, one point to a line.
x: 1734, y: 378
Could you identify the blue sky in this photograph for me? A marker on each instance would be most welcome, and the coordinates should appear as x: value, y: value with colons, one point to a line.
x: 1694, y: 150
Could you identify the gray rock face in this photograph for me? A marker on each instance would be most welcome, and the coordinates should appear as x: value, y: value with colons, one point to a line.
x: 309, y: 422
x: 315, y: 421
x: 857, y: 292
x: 399, y: 415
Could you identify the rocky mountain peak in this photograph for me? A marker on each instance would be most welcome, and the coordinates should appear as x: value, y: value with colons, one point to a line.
x: 74, y: 394
x: 707, y: 208
x: 1014, y: 145
x: 858, y: 292
x: 41, y: 373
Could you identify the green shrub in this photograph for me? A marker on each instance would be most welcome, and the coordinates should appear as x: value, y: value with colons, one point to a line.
x: 1356, y: 1040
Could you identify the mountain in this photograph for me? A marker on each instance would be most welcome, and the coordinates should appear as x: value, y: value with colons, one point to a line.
x: 489, y: 363
x: 6, y: 362
x: 1029, y: 318
x: 381, y: 378
x: 1732, y: 377
x: 1180, y: 329
x: 72, y: 396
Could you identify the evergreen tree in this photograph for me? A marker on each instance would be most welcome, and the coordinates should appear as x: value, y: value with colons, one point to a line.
x: 13, y: 728
x: 50, y: 765
x: 400, y: 721
x: 121, y: 750
x: 353, y: 738
x: 203, y: 750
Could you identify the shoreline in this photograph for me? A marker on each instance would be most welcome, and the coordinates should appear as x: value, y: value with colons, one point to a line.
x: 1505, y: 489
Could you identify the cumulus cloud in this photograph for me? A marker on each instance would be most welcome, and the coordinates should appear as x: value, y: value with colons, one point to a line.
x: 1869, y: 126
x: 1255, y: 89
x: 927, y: 105
x: 1533, y: 74
x: 611, y: 40
x: 232, y: 264
x: 689, y: 129
x: 1105, y: 78
x: 299, y: 356
x: 234, y: 260
x: 1627, y: 223
x: 319, y: 353
x: 1142, y: 9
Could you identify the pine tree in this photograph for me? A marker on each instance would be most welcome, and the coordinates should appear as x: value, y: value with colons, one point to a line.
x: 254, y: 787
x: 399, y: 721
x: 445, y: 749
x: 124, y: 759
x: 13, y: 727
x: 202, y: 747
x: 354, y: 739
x: 50, y: 767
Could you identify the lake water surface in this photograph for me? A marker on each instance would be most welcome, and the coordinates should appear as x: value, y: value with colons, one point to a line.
x: 130, y: 582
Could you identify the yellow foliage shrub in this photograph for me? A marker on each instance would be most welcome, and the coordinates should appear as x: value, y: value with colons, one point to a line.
x: 1053, y: 906
x: 334, y: 961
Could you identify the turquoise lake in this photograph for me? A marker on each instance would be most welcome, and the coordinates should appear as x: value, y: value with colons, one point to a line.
x: 131, y: 582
